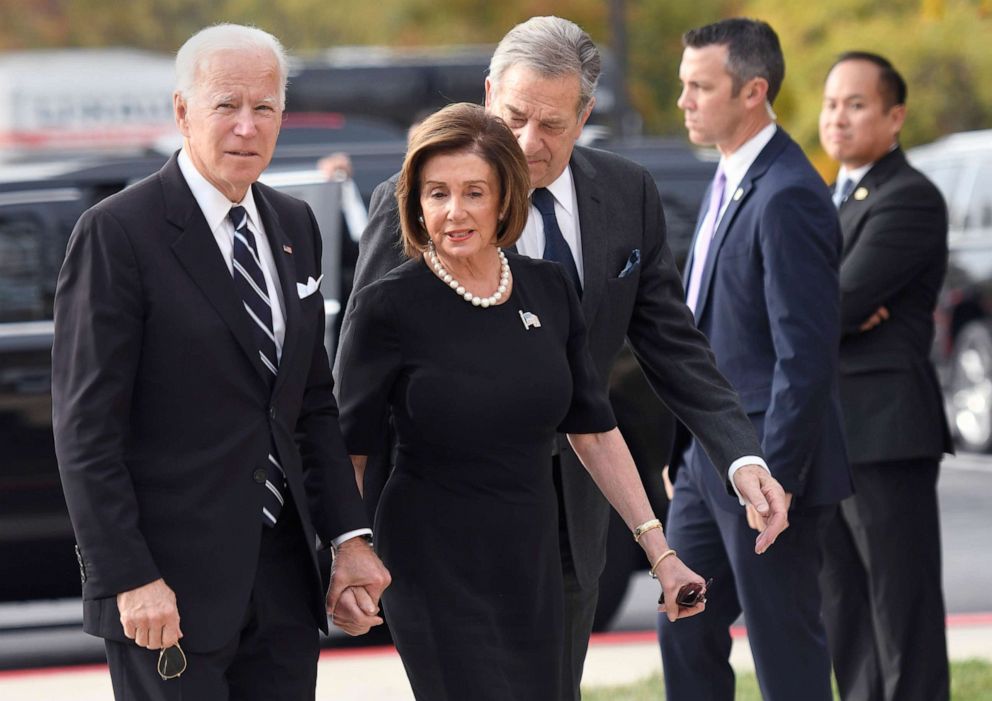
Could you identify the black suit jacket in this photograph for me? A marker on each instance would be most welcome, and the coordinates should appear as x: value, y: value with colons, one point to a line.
x: 619, y: 213
x: 895, y: 254
x: 162, y: 413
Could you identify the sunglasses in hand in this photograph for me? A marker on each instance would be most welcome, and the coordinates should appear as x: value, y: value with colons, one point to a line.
x: 689, y: 595
x: 171, y: 662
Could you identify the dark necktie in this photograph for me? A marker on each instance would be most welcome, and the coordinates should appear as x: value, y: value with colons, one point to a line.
x: 555, y: 247
x: 250, y: 283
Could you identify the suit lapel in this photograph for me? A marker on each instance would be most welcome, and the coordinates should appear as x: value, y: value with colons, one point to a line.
x: 593, y: 229
x: 286, y: 267
x: 853, y: 211
x: 738, y: 199
x: 198, y: 253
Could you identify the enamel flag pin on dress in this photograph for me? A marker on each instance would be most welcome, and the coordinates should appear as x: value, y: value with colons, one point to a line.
x: 530, y: 320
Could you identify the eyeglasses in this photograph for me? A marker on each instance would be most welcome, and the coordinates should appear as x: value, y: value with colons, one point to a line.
x: 689, y: 595
x: 171, y: 662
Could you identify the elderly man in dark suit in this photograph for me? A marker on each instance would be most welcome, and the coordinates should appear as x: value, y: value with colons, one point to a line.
x: 883, y: 603
x: 601, y: 218
x: 195, y: 423
x: 763, y: 285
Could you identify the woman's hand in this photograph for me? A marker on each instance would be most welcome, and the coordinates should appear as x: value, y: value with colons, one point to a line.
x: 673, y: 575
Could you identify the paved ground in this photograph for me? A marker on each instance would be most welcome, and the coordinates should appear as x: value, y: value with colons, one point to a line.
x: 376, y: 674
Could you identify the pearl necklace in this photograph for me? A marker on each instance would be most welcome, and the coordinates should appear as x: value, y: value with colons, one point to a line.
x: 475, y: 300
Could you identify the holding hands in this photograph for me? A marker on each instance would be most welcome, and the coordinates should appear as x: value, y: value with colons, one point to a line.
x: 358, y: 579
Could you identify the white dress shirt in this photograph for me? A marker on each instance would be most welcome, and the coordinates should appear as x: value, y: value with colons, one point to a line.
x: 531, y: 242
x: 215, y: 207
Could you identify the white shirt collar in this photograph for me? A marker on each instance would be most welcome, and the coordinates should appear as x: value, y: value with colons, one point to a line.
x: 214, y: 205
x: 854, y: 175
x: 736, y: 165
x: 563, y: 191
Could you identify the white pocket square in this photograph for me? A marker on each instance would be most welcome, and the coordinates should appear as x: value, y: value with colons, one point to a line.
x: 309, y: 288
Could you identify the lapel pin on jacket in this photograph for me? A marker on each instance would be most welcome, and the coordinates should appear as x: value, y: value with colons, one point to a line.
x: 530, y: 320
x: 739, y: 193
x: 861, y: 193
x: 286, y: 248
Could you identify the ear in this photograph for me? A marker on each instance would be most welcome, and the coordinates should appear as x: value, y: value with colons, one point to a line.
x: 587, y: 112
x: 489, y: 92
x: 896, y: 117
x: 755, y: 92
x: 180, y: 111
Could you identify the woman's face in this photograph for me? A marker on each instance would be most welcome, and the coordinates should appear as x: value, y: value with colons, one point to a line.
x: 460, y: 199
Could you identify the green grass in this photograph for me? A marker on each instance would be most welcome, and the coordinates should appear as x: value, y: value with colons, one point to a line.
x: 971, y: 680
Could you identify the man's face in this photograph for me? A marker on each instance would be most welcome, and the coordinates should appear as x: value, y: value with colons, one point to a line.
x: 231, y: 119
x: 543, y: 114
x: 713, y: 115
x: 855, y: 127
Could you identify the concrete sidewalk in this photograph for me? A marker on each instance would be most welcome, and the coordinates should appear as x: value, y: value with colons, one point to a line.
x: 376, y: 674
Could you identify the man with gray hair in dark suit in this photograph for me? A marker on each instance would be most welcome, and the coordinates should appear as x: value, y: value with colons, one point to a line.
x: 600, y: 217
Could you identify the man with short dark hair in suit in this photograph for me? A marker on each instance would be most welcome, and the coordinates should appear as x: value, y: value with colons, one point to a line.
x: 883, y: 603
x: 762, y: 283
x: 609, y: 224
x: 194, y: 417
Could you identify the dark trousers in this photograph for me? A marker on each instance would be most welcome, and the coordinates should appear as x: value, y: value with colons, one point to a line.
x: 579, y: 611
x: 883, y: 604
x: 778, y: 592
x: 273, y: 657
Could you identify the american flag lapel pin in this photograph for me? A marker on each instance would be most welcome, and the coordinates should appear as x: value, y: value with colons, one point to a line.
x: 286, y: 248
x: 529, y: 320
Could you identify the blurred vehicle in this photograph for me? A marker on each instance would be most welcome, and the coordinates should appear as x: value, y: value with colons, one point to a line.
x: 961, y: 167
x: 39, y: 205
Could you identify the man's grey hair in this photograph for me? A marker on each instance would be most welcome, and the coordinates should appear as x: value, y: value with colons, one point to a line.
x: 552, y: 47
x: 226, y: 37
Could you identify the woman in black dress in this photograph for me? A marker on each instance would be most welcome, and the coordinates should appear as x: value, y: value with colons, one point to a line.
x: 480, y: 357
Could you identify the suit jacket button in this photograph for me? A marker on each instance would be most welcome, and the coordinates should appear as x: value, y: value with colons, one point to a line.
x: 259, y: 475
x: 272, y: 412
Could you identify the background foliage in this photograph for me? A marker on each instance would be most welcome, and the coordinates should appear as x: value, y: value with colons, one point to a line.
x: 941, y: 46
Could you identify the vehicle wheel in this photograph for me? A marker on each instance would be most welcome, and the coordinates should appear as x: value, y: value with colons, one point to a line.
x: 969, y: 392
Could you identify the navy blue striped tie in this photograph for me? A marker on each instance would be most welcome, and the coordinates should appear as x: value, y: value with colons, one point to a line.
x: 555, y: 246
x: 250, y: 283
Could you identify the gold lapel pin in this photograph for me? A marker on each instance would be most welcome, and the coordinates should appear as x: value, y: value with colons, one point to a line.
x: 738, y: 194
x: 287, y: 249
x: 860, y: 193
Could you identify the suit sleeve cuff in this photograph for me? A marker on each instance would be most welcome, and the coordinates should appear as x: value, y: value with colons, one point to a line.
x: 336, y: 543
x: 738, y: 464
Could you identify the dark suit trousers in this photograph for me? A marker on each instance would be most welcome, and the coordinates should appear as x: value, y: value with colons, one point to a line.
x: 883, y: 603
x: 778, y: 591
x: 273, y: 657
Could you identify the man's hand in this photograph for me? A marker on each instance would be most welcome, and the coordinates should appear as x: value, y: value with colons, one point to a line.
x: 666, y: 480
x: 350, y: 613
x: 765, y: 495
x: 150, y: 616
x: 881, y: 314
x: 355, y: 566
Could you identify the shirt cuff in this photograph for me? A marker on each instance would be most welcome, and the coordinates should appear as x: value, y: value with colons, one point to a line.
x: 738, y: 464
x: 336, y: 543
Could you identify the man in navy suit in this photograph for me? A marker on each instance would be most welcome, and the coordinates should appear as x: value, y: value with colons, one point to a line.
x: 763, y: 286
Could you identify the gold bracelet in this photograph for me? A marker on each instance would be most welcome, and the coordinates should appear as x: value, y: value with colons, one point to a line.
x: 645, y: 527
x: 654, y: 567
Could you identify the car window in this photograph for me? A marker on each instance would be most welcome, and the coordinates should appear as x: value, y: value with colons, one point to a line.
x: 947, y: 174
x: 34, y: 230
x: 979, y: 211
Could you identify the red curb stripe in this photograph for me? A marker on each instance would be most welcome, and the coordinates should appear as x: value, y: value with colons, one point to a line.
x: 957, y: 620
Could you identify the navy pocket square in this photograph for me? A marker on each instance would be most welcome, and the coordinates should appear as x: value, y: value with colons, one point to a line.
x: 632, y: 263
